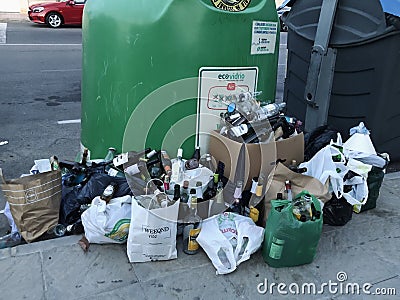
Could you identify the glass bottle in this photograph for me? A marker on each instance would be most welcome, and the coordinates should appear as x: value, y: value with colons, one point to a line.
x: 256, y: 198
x: 166, y: 183
x: 207, y: 161
x: 56, y: 231
x: 109, y: 192
x: 185, y: 192
x: 288, y: 190
x: 177, y: 167
x: 166, y: 162
x: 199, y: 191
x: 193, y: 163
x: 210, y: 192
x: 110, y: 154
x: 269, y: 110
x: 236, y: 206
x: 177, y: 192
x: 192, y: 227
x: 218, y: 205
x: 85, y: 155
x: 54, y: 163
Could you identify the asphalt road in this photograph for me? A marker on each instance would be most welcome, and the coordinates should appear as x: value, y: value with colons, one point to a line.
x: 40, y: 85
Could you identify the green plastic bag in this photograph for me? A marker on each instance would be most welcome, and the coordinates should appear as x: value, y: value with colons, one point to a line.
x: 374, y: 181
x: 289, y: 242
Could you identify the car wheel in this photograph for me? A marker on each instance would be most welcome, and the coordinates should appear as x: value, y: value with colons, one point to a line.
x: 54, y: 20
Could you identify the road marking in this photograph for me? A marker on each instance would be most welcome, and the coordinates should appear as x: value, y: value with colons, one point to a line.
x: 46, y: 45
x: 65, y: 70
x: 76, y: 121
x: 3, y: 33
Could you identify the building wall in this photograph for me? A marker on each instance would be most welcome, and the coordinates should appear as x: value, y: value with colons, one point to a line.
x: 18, y: 6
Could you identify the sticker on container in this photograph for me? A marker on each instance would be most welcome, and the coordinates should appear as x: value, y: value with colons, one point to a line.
x: 231, y: 5
x: 263, y: 37
x: 218, y: 87
x: 276, y: 248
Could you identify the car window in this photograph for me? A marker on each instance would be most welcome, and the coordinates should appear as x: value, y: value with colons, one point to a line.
x: 80, y: 1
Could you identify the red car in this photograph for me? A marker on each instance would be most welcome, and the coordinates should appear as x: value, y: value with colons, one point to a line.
x: 55, y: 14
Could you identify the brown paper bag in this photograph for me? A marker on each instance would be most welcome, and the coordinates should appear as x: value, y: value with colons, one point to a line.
x: 299, y: 183
x: 34, y: 202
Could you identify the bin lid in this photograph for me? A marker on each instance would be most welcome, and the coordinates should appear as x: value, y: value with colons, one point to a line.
x: 355, y: 20
x: 391, y: 7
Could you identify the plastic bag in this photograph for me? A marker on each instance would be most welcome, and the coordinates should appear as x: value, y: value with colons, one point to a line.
x: 337, y: 212
x: 73, y: 197
x: 152, y: 233
x: 289, y: 242
x: 229, y: 239
x: 322, y: 167
x: 107, y: 223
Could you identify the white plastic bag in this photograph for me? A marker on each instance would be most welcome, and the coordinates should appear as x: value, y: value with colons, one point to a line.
x: 229, y: 239
x: 152, y: 233
x: 358, y: 195
x: 322, y: 167
x: 107, y: 223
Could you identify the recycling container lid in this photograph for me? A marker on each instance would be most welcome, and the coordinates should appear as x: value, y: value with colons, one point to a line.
x: 355, y: 21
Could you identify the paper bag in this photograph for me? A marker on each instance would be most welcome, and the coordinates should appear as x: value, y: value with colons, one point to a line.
x: 34, y: 202
x: 152, y: 233
x: 299, y: 183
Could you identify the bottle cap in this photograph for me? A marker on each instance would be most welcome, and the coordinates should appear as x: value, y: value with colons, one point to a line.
x: 180, y: 152
x: 151, y: 153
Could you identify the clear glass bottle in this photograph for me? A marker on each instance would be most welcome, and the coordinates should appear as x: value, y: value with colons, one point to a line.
x: 236, y: 206
x: 256, y: 198
x: 110, y: 154
x: 177, y: 167
x: 208, y: 162
x: 218, y: 205
x: 192, y: 227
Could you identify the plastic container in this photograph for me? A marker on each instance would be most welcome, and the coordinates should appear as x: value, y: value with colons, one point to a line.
x: 367, y: 63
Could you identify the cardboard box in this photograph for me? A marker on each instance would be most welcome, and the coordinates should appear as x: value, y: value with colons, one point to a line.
x: 259, y: 157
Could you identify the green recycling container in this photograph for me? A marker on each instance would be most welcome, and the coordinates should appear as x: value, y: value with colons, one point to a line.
x: 142, y: 60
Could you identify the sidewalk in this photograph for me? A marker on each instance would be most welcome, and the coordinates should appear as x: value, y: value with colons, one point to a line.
x: 366, y: 248
x: 13, y: 17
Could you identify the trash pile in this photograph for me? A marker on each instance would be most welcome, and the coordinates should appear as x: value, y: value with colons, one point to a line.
x: 148, y: 200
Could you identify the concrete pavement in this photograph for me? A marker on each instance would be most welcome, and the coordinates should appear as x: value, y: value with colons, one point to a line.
x: 366, y: 249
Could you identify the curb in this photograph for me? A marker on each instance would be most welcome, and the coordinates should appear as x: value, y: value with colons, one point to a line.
x: 39, y: 246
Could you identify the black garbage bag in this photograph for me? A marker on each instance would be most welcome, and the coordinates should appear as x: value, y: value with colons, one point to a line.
x: 337, y: 212
x: 318, y: 139
x: 74, y: 197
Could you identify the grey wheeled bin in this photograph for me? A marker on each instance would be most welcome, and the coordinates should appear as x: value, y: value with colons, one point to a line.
x: 344, y: 68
